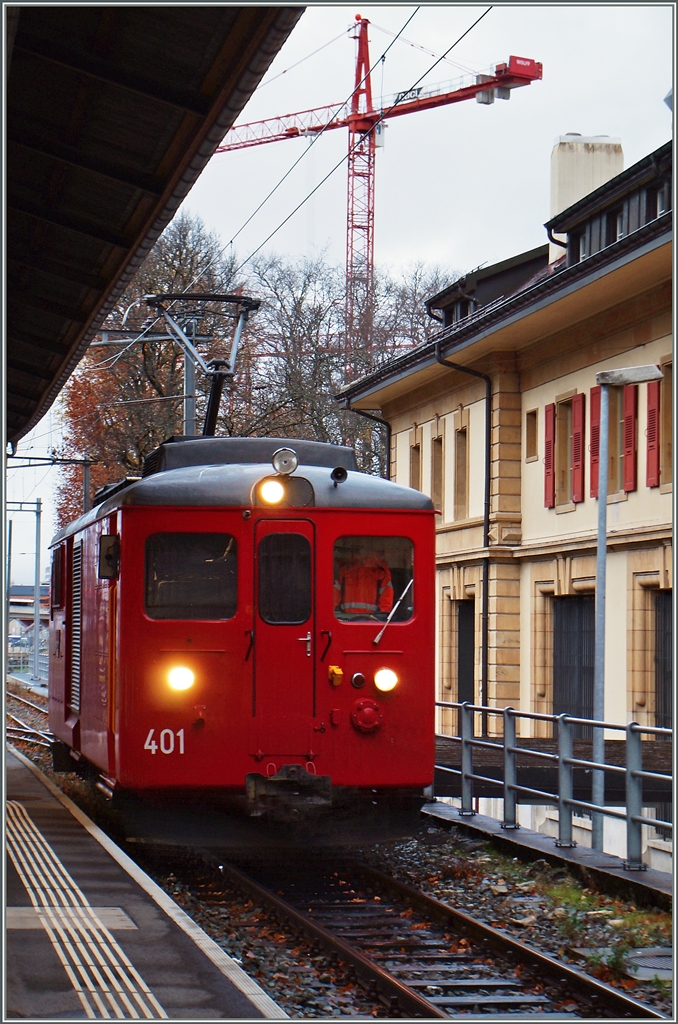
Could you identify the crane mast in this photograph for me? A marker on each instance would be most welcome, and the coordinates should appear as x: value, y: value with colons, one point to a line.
x: 360, y: 206
x: 363, y: 123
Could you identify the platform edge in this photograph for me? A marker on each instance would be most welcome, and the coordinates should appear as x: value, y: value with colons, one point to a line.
x: 228, y: 967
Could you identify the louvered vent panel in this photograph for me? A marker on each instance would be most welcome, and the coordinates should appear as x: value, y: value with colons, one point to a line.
x: 76, y: 626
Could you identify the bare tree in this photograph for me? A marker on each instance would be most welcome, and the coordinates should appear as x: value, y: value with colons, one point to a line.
x: 125, y: 400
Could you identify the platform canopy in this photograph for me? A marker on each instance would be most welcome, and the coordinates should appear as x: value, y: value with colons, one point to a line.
x: 112, y: 112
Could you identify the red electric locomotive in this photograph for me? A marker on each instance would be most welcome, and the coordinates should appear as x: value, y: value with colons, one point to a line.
x: 252, y: 617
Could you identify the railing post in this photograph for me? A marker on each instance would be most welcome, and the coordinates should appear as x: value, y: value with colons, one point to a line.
x: 466, y: 716
x: 510, y: 771
x: 565, y: 784
x: 634, y: 800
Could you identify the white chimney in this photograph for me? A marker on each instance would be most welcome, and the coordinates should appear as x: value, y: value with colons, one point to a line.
x: 579, y: 165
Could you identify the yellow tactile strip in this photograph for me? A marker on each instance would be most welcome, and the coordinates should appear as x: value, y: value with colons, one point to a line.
x: 106, y: 982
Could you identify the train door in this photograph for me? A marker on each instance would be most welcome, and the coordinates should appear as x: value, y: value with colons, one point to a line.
x: 284, y: 637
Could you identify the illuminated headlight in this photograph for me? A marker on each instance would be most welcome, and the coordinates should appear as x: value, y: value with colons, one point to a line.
x: 272, y: 492
x: 385, y: 679
x: 181, y: 678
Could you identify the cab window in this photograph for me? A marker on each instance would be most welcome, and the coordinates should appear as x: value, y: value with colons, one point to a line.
x: 371, y: 574
x: 284, y: 578
x: 191, y: 576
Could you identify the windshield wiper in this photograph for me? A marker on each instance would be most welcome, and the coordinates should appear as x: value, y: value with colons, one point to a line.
x: 394, y: 609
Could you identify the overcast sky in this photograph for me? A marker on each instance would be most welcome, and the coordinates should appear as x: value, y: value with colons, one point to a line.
x: 456, y: 186
x: 459, y: 185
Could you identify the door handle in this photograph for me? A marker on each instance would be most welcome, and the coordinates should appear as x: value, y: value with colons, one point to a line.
x: 306, y: 640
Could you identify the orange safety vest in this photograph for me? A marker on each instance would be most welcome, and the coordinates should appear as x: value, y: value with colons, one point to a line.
x: 364, y: 587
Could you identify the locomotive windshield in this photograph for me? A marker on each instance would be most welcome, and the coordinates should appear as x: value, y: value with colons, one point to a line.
x: 191, y: 576
x: 371, y: 574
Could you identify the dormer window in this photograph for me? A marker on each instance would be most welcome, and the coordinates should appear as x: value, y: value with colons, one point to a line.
x: 583, y: 248
x: 663, y: 205
x: 620, y: 224
x: 462, y: 309
x: 615, y: 226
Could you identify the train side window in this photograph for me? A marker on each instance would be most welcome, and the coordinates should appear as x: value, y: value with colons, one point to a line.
x: 109, y: 556
x: 57, y: 581
x: 191, y: 576
x: 284, y: 578
x: 371, y: 574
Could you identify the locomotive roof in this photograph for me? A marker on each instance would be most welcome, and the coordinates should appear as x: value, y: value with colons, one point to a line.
x: 213, y: 484
x: 206, y: 451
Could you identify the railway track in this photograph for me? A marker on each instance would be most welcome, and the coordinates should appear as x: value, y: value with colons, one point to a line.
x: 426, y: 959
x: 19, y: 729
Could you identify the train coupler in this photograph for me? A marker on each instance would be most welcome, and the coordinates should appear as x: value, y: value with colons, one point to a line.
x: 289, y: 794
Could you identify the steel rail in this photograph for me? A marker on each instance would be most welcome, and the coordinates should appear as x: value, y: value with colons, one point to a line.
x: 29, y: 728
x: 408, y: 1001
x: 15, y: 696
x: 598, y: 991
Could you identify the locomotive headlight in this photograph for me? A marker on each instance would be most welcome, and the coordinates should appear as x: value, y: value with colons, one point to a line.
x: 385, y: 679
x: 272, y: 492
x: 180, y: 678
x: 285, y: 461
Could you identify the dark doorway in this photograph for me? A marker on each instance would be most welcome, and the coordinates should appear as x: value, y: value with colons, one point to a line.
x: 465, y: 651
x: 573, y: 658
x: 663, y: 655
x: 663, y: 682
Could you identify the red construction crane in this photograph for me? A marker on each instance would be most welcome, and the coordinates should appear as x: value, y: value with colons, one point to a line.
x: 365, y: 130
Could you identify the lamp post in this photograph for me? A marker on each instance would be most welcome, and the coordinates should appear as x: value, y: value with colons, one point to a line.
x: 606, y: 379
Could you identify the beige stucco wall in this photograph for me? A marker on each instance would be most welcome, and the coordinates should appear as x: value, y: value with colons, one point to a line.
x: 435, y: 420
x: 616, y: 709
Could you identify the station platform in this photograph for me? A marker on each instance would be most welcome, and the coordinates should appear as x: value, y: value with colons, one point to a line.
x: 91, y: 936
x: 649, y: 887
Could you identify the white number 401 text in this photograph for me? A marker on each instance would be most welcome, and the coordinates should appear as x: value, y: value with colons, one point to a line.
x: 169, y: 742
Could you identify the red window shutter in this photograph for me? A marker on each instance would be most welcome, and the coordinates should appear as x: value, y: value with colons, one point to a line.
x: 594, y: 443
x: 652, y: 478
x: 549, y: 454
x: 630, y: 417
x: 578, y: 447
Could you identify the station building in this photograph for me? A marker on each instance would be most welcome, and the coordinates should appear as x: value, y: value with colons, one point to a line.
x: 516, y: 582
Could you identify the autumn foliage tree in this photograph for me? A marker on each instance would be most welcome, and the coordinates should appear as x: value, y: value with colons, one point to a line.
x: 125, y: 399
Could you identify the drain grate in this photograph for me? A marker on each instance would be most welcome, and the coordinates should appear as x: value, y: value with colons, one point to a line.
x: 655, y: 962
x: 658, y: 962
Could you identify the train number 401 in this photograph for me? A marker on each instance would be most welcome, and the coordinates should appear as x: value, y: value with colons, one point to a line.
x: 169, y: 742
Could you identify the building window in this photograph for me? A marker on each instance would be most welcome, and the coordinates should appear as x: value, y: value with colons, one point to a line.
x: 657, y: 202
x: 620, y: 224
x: 573, y: 658
x: 437, y: 473
x: 622, y: 439
x: 583, y: 247
x: 615, y: 226
x: 666, y: 424
x: 663, y: 203
x: 415, y: 466
x: 659, y: 429
x: 466, y: 651
x: 615, y: 466
x: 531, y: 442
x: 461, y: 474
x: 564, y: 452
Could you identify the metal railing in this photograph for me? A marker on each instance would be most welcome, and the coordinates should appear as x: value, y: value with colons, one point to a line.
x: 21, y: 660
x: 566, y: 763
